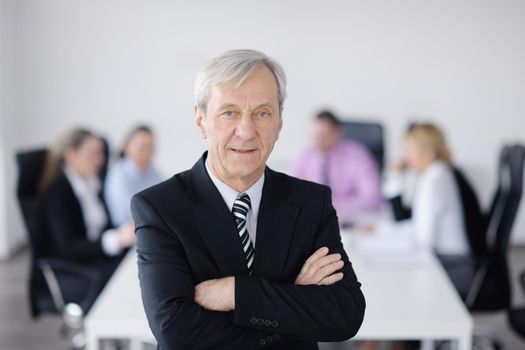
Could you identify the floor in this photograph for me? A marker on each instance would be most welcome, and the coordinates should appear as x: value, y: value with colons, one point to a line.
x: 19, y: 332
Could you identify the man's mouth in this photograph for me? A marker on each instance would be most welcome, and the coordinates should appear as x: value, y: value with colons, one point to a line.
x: 243, y: 150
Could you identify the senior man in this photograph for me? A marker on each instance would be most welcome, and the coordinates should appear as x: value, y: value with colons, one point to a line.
x: 231, y: 254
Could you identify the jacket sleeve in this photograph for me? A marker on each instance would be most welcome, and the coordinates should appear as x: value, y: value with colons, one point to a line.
x: 308, y: 313
x: 65, y: 228
x: 167, y: 289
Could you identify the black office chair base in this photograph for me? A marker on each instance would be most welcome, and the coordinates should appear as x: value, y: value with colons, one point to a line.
x: 516, y: 319
x: 483, y: 343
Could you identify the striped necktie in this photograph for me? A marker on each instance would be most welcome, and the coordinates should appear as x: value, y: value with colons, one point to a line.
x: 241, y: 206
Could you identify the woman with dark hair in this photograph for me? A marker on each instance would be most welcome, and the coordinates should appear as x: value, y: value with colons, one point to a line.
x: 75, y: 214
x: 132, y: 173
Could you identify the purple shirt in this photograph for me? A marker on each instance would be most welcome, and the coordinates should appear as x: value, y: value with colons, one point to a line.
x: 350, y: 171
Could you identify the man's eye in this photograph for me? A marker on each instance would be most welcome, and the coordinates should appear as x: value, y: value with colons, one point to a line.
x: 264, y: 114
x: 228, y: 114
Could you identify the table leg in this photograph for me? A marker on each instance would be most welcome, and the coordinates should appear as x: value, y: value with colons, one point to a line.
x: 426, y: 344
x: 93, y: 342
x: 135, y: 344
x: 465, y: 342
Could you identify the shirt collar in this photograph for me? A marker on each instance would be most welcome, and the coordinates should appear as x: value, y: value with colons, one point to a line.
x: 82, y: 186
x: 335, y: 148
x: 230, y: 195
x: 132, y: 168
x: 435, y: 167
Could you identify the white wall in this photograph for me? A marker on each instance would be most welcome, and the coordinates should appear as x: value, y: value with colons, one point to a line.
x: 11, y: 233
x: 108, y: 64
x: 3, y: 199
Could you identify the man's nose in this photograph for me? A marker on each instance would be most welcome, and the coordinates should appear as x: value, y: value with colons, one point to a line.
x: 246, y: 129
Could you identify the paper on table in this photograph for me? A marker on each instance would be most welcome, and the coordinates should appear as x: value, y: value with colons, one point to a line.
x: 391, y: 244
x: 397, y: 260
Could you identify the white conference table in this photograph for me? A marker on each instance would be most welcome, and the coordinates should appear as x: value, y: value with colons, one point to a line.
x: 118, y: 312
x: 408, y: 296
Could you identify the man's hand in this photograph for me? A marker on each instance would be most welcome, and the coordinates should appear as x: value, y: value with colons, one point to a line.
x: 216, y: 295
x: 319, y: 269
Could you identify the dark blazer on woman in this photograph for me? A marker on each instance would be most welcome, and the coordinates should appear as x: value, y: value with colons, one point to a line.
x: 65, y: 224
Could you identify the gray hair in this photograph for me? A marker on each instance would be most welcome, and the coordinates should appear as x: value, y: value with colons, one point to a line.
x: 236, y: 66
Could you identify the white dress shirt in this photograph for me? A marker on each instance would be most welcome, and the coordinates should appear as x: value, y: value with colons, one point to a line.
x: 230, y: 195
x: 437, y: 212
x: 95, y: 218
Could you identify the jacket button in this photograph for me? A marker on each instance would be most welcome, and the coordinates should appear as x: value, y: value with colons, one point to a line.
x: 275, y: 336
x: 260, y: 321
x: 267, y: 323
x: 262, y: 341
x: 253, y: 320
x: 275, y: 323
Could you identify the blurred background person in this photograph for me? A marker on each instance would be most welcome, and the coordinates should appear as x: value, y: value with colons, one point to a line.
x: 400, y: 182
x: 132, y: 173
x: 436, y: 216
x: 75, y: 214
x: 346, y: 166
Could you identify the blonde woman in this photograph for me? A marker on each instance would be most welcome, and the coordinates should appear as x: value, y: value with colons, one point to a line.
x: 436, y: 215
x: 76, y: 218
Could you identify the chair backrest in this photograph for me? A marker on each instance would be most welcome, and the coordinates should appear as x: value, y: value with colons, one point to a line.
x: 506, y: 200
x: 502, y: 161
x: 370, y: 135
x: 522, y: 281
x: 30, y: 167
x: 472, y: 216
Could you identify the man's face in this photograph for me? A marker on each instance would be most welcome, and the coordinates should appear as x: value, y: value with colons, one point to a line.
x: 324, y: 135
x: 241, y: 126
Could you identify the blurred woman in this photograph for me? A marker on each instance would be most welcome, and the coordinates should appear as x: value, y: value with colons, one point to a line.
x: 76, y: 217
x: 132, y: 173
x: 436, y: 215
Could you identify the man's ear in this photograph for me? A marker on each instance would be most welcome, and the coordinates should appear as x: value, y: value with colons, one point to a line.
x: 280, y: 125
x: 200, y: 121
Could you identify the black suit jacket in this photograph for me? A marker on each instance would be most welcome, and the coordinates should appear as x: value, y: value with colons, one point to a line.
x: 65, y: 224
x: 186, y: 234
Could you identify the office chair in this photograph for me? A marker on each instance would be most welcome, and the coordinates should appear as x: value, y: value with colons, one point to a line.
x: 490, y: 289
x: 474, y: 224
x: 370, y: 135
x: 516, y: 316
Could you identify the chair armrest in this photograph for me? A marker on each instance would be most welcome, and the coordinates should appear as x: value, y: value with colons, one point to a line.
x: 53, y: 268
x: 481, y: 266
x: 522, y: 281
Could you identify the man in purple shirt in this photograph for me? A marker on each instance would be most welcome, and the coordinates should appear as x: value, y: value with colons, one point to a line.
x: 345, y: 166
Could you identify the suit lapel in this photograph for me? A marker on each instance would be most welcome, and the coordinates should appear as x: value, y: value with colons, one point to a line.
x: 275, y: 227
x: 215, y: 223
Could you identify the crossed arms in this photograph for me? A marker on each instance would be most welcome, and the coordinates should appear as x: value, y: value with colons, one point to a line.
x: 323, y: 303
